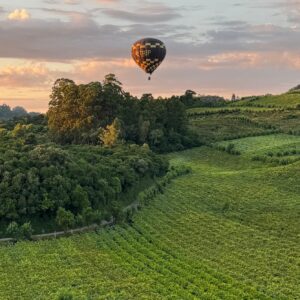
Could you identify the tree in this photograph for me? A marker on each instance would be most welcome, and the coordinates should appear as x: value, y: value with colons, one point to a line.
x: 147, y: 97
x: 13, y: 230
x: 26, y: 231
x: 17, y: 232
x: 64, y: 218
x: 233, y: 98
x: 156, y: 136
x: 188, y: 97
x: 80, y: 198
x: 5, y: 112
x: 144, y: 127
x: 19, y: 111
x: 20, y: 130
x: 112, y: 134
x: 77, y: 112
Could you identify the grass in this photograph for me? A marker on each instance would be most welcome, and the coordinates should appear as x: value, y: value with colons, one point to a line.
x: 229, y: 230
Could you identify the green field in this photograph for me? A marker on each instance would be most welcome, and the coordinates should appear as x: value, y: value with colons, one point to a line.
x: 229, y: 230
x: 284, y: 100
x: 263, y: 144
x: 219, y: 127
x: 230, y: 109
x: 218, y: 124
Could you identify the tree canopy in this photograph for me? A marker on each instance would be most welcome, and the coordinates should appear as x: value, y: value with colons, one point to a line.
x: 79, y: 114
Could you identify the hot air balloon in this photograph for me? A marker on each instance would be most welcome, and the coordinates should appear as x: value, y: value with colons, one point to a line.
x: 148, y: 54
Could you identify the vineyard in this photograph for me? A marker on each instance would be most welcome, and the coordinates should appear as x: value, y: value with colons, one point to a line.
x: 228, y: 230
x: 287, y: 100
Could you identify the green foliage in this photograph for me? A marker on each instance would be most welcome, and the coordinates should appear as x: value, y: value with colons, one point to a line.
x: 233, y: 122
x: 77, y: 112
x: 287, y: 100
x: 65, y: 218
x: 17, y: 232
x: 191, y: 99
x: 13, y: 230
x: 7, y: 113
x: 26, y: 231
x: 229, y: 148
x: 37, y: 180
x: 111, y: 135
x: 227, y: 230
x: 81, y: 114
x: 65, y: 295
x: 212, y: 234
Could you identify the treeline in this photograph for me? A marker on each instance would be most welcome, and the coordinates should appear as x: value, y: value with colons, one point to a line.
x: 6, y: 112
x: 190, y: 99
x: 103, y: 113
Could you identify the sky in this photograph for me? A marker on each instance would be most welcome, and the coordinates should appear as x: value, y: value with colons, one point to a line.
x: 216, y: 47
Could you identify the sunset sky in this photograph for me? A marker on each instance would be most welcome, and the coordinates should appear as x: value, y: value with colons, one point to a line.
x: 213, y: 47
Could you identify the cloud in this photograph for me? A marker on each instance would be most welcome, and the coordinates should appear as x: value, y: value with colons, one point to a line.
x: 106, y: 1
x: 77, y: 38
x: 72, y: 14
x: 142, y: 17
x: 150, y: 12
x: 263, y: 38
x: 72, y: 2
x: 19, y: 14
x: 254, y: 60
x: 51, y: 1
x: 27, y: 75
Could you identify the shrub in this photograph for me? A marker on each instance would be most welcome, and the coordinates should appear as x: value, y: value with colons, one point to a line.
x: 65, y: 218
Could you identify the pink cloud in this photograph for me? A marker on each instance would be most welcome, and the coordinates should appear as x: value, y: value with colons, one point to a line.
x: 30, y: 74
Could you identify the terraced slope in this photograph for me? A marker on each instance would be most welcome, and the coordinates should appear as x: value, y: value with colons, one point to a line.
x: 276, y: 148
x: 229, y: 230
x: 287, y: 100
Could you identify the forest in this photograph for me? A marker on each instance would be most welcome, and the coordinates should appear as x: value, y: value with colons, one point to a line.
x: 73, y: 165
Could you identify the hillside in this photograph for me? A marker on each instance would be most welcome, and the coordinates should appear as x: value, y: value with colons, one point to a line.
x: 228, y: 230
x: 287, y: 100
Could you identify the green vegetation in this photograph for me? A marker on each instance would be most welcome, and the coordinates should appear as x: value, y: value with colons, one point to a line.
x: 264, y: 144
x: 76, y: 165
x: 76, y: 183
x: 227, y: 229
x: 6, y: 112
x: 227, y: 109
x: 217, y: 127
x: 236, y: 122
x: 288, y: 100
x: 89, y: 113
x: 277, y: 149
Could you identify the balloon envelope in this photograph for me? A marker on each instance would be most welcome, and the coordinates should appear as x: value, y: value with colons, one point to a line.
x: 148, y: 53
